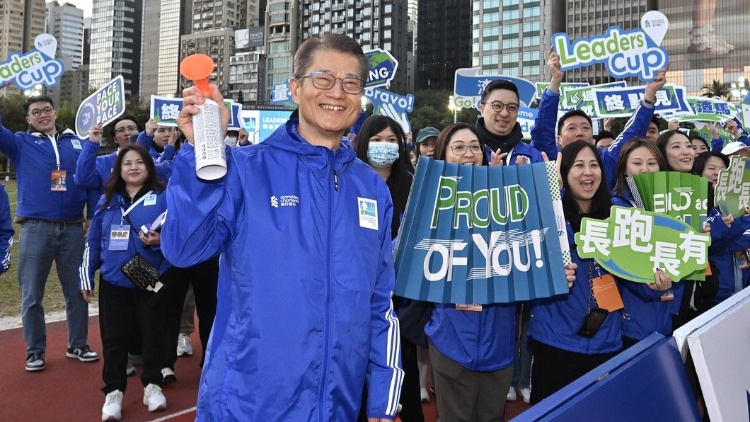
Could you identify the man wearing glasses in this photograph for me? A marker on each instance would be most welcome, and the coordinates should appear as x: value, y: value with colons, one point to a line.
x: 304, y: 317
x: 50, y: 210
x: 498, y: 126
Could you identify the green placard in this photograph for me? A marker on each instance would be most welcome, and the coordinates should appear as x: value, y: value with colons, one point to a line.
x: 732, y: 193
x: 631, y: 243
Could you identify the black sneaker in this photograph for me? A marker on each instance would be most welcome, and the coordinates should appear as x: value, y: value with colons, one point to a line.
x: 35, y: 362
x: 84, y: 354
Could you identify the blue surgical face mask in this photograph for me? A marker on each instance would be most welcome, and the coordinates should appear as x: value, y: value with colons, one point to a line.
x: 382, y: 154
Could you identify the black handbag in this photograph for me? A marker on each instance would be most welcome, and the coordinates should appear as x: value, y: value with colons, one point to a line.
x: 141, y: 272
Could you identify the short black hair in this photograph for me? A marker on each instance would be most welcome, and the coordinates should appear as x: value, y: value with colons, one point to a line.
x: 499, y: 84
x: 37, y: 99
x: 657, y: 121
x: 570, y: 114
x: 603, y: 134
x: 121, y: 118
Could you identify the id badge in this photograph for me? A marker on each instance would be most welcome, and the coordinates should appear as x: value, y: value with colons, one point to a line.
x: 667, y: 296
x: 119, y: 237
x: 606, y: 293
x: 468, y: 307
x: 58, y: 181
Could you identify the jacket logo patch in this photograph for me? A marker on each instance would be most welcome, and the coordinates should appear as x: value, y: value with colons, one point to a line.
x: 368, y: 213
x: 284, y: 201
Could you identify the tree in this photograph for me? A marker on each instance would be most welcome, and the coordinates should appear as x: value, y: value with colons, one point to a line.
x: 717, y: 89
x: 66, y: 115
x: 11, y: 110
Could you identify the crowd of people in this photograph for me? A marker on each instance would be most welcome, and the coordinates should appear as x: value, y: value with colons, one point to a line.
x: 288, y: 259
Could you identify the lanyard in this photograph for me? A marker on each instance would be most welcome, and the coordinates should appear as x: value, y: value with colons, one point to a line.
x: 54, y: 147
x: 133, y: 205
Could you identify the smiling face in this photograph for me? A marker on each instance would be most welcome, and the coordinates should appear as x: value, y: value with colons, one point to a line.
x: 575, y: 128
x: 712, y: 168
x: 679, y: 153
x: 699, y: 146
x: 641, y: 160
x: 584, y: 178
x: 133, y: 170
x: 324, y: 115
x: 464, y: 139
x: 501, y: 122
x: 42, y: 116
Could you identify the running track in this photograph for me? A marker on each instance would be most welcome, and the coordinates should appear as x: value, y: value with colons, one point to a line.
x: 69, y: 390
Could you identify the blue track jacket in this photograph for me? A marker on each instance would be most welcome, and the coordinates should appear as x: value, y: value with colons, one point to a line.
x: 555, y: 321
x: 97, y: 256
x: 304, y: 315
x: 543, y: 133
x: 33, y: 156
x: 6, y: 230
x: 92, y: 171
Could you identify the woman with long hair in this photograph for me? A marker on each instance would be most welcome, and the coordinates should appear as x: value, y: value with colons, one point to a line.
x: 648, y: 308
x: 381, y: 143
x: 133, y: 199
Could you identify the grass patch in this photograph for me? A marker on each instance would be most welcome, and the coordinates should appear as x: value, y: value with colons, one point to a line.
x: 10, y: 292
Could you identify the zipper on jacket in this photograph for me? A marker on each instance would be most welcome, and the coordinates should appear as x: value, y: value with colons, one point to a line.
x: 326, y: 314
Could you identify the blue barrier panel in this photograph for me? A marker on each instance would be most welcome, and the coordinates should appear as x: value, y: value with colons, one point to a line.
x: 647, y: 382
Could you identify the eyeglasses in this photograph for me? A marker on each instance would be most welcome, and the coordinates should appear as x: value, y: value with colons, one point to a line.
x: 461, y: 149
x: 130, y: 128
x: 38, y: 112
x: 326, y: 81
x: 497, y: 107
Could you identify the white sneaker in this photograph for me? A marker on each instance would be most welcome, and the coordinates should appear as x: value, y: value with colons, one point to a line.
x: 112, y: 409
x: 511, y: 394
x: 526, y: 393
x: 129, y: 369
x: 154, y: 398
x: 183, y: 345
x: 425, y: 395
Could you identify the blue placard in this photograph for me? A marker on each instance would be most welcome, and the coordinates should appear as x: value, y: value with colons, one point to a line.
x: 103, y: 106
x: 164, y: 110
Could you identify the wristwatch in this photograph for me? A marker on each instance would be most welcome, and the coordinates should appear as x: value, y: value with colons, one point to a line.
x: 648, y: 102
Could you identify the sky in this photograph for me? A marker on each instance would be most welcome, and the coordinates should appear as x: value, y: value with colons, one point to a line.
x: 81, y: 4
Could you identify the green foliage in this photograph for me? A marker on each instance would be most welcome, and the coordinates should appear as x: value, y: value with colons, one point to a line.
x: 431, y: 109
x: 717, y: 89
x: 11, y: 110
x: 66, y: 115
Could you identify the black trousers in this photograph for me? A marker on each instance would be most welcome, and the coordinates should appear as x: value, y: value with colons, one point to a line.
x: 553, y: 368
x: 120, y: 309
x: 205, y: 280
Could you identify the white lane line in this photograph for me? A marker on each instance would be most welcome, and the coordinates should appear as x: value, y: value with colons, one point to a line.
x: 174, y: 415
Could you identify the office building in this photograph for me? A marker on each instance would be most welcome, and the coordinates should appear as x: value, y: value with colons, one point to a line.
x: 65, y: 23
x: 444, y: 40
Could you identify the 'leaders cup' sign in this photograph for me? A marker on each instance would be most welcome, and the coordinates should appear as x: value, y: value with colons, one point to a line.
x: 480, y: 234
x: 633, y: 53
x: 35, y: 67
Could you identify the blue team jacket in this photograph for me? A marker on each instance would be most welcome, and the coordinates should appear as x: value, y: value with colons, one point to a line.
x: 543, y: 133
x: 97, y: 256
x: 33, y: 156
x: 304, y: 311
x: 92, y: 171
x: 555, y: 321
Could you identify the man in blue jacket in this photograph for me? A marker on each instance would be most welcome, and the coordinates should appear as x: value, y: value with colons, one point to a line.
x: 304, y: 316
x: 577, y: 125
x: 50, y: 210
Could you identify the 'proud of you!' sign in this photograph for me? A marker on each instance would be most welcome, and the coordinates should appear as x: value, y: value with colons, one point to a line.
x: 482, y: 234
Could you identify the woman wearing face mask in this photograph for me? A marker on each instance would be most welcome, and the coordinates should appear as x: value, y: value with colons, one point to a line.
x: 648, y: 307
x: 381, y: 144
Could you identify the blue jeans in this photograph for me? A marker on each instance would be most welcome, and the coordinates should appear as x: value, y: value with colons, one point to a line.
x: 41, y: 242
